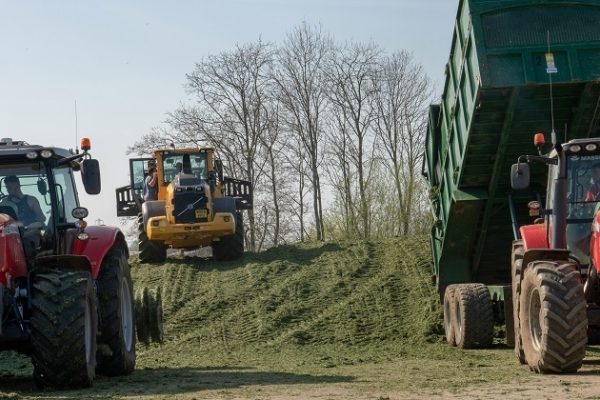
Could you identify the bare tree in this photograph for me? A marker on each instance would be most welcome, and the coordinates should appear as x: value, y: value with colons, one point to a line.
x: 301, y: 82
x: 402, y: 95
x: 351, y: 73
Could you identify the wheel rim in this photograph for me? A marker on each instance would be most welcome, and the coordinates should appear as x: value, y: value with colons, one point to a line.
x: 447, y: 319
x: 88, y: 333
x: 126, y: 314
x: 458, y: 317
x: 535, y: 319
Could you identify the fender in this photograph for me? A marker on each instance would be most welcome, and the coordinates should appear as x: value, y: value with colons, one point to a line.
x: 534, y: 237
x: 595, y: 243
x: 101, y: 240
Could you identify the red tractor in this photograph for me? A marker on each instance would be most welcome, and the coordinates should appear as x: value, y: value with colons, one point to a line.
x: 556, y: 260
x: 65, y: 287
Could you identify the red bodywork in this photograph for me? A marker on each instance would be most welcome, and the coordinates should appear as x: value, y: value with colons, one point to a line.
x: 595, y: 243
x: 534, y: 236
x: 101, y: 240
x: 12, y: 255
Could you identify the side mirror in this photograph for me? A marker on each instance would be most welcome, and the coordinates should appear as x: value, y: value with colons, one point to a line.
x: 90, y: 175
x: 520, y: 176
x: 219, y: 169
x: 42, y: 187
x: 80, y: 212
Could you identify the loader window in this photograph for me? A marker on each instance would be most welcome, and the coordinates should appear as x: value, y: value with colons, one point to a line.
x: 173, y: 164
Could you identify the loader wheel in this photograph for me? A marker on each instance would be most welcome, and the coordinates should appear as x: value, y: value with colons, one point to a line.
x: 142, y: 323
x: 517, y: 268
x: 449, y: 315
x: 117, y: 326
x: 473, y: 316
x: 150, y: 251
x: 553, y: 317
x: 231, y: 248
x: 63, y: 328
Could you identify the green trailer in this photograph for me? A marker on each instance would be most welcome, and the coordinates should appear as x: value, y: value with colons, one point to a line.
x: 496, y: 97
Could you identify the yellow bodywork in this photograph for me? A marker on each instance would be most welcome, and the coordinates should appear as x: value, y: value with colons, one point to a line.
x: 192, y: 235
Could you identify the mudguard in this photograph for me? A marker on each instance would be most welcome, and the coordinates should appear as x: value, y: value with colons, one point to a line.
x: 534, y: 237
x: 101, y: 240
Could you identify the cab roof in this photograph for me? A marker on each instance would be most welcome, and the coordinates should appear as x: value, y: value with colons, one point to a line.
x: 10, y: 148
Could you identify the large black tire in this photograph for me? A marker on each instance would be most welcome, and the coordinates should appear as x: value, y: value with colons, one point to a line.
x: 553, y: 317
x: 473, y: 316
x: 150, y: 251
x: 64, y: 322
x: 231, y: 248
x: 116, y: 305
x: 449, y: 294
x: 518, y: 251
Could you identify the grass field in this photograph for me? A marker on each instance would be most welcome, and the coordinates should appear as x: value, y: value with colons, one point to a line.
x: 322, y: 321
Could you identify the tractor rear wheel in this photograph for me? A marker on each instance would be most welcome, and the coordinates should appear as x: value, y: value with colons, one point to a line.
x: 473, y: 316
x: 150, y: 251
x: 117, y: 326
x: 517, y: 269
x: 449, y: 315
x: 553, y: 317
x: 231, y: 248
x: 63, y: 328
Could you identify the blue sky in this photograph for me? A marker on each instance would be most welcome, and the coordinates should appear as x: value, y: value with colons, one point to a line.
x: 125, y: 61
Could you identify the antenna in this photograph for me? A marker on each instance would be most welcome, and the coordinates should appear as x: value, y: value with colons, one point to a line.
x: 76, y: 131
x: 551, y: 69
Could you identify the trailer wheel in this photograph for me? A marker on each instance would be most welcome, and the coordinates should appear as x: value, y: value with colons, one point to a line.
x: 150, y: 251
x: 63, y: 328
x: 553, y: 317
x: 473, y: 316
x: 449, y: 315
x: 517, y: 269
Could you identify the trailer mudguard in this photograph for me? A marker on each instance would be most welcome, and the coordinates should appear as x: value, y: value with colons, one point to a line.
x: 101, y: 240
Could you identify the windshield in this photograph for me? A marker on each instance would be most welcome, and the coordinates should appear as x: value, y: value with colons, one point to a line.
x: 583, y: 174
x: 194, y: 164
x: 25, y: 194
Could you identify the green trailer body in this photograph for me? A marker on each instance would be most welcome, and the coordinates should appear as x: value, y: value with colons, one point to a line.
x: 496, y: 97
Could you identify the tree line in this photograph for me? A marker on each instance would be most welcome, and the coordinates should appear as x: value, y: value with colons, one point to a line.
x: 330, y: 134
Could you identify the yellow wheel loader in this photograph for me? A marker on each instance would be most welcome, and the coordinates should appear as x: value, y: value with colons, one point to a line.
x: 194, y: 205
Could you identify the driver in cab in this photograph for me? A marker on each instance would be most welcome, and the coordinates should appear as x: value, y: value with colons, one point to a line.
x: 27, y: 207
x: 593, y: 193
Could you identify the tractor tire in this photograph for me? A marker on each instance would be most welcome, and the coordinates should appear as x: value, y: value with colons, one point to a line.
x: 449, y: 315
x: 231, y: 248
x: 64, y: 322
x: 117, y: 319
x: 150, y: 251
x: 516, y: 272
x: 142, y: 318
x: 473, y: 316
x: 553, y: 317
x: 155, y: 317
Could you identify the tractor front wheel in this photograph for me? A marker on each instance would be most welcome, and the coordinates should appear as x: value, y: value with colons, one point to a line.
x: 115, y: 294
x: 63, y: 328
x: 553, y: 317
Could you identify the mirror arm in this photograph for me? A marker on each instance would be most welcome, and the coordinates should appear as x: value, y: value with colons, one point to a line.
x: 72, y: 158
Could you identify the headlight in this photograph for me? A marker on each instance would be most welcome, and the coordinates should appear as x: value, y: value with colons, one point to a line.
x: 46, y: 153
x: 575, y: 148
x: 32, y: 155
x: 591, y: 147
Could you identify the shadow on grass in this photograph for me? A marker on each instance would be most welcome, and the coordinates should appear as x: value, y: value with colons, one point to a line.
x: 167, y: 381
x: 296, y: 254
